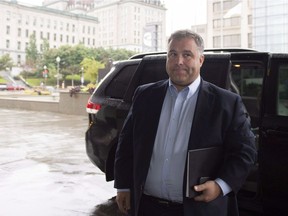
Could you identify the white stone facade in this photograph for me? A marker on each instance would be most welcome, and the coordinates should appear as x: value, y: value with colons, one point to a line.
x: 119, y: 24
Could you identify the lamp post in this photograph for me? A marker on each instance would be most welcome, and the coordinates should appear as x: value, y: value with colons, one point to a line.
x: 82, y: 77
x: 58, y: 59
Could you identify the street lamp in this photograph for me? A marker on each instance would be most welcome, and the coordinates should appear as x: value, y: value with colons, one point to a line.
x: 82, y: 77
x: 58, y: 59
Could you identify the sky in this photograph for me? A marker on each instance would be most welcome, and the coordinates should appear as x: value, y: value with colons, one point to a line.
x: 180, y: 13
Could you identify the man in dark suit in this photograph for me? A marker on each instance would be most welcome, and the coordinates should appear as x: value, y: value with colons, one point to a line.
x: 167, y: 119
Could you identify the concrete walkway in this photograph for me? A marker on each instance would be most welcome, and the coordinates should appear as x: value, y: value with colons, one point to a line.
x: 44, y: 168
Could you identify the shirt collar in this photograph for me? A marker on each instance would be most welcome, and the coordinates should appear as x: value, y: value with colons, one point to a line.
x: 192, y: 88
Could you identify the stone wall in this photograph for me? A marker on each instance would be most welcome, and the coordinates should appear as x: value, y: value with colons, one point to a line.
x: 75, y: 105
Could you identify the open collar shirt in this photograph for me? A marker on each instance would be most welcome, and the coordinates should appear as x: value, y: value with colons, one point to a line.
x: 166, y: 171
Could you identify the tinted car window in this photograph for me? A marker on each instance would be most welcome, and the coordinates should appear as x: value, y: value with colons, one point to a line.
x: 215, y: 69
x: 119, y: 84
x: 248, y: 78
x: 282, y: 105
x: 153, y: 72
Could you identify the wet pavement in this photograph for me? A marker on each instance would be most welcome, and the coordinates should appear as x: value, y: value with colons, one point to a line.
x: 44, y: 169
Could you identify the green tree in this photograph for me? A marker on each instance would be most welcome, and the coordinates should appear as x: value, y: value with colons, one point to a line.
x: 32, y: 52
x: 5, y: 62
x: 91, y: 68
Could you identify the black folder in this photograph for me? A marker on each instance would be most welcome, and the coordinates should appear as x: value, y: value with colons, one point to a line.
x: 202, y: 164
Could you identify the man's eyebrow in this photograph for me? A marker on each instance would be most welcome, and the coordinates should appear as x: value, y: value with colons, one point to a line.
x: 172, y: 50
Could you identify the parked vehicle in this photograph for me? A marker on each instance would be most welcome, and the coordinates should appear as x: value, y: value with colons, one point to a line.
x: 261, y: 78
x: 13, y: 87
x: 3, y: 86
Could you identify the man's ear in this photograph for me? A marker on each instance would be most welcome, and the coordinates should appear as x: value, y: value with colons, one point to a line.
x: 202, y: 57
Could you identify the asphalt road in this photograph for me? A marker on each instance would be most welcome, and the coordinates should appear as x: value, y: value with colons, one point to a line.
x: 44, y: 169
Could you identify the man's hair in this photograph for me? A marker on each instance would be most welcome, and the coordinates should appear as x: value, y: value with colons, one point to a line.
x: 180, y: 34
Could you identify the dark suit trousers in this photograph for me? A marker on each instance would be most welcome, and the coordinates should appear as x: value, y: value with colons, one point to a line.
x: 150, y: 207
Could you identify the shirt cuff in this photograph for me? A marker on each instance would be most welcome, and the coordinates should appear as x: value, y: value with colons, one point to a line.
x: 224, y: 186
x: 123, y: 190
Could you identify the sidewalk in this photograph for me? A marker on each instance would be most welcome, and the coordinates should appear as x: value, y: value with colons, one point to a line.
x: 44, y: 168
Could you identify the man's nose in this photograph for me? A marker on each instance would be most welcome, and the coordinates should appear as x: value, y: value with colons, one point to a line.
x: 180, y: 60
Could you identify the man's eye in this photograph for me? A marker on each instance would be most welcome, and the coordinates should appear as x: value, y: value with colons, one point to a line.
x: 172, y: 54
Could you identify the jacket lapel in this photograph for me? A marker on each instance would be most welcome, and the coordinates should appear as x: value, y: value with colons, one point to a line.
x: 204, y: 105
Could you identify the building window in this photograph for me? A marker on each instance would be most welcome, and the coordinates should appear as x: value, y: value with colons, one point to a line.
x: 34, y: 21
x: 8, y: 17
x: 216, y: 23
x: 19, y: 45
x: 67, y: 39
x: 83, y: 30
x: 217, y: 42
x: 41, y: 22
x: 41, y: 35
x: 55, y: 24
x: 232, y: 40
x: 8, y: 30
x: 19, y: 19
x: 55, y: 37
x: 7, y: 44
x: 48, y: 35
x: 73, y: 39
x: 234, y: 21
x: 61, y: 38
x: 249, y: 19
x: 67, y: 27
x: 73, y: 28
x: 217, y: 7
x: 27, y: 20
x: 19, y: 32
x: 61, y: 26
x: 27, y: 33
x: 249, y: 40
x: 19, y: 59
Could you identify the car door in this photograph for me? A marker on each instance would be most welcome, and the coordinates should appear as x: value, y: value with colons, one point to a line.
x: 273, y: 137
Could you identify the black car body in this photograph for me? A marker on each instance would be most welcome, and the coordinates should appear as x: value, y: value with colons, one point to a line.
x: 260, y: 78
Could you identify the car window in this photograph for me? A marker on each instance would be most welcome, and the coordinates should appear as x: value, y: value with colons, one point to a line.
x: 152, y: 72
x: 282, y: 89
x: 119, y: 84
x: 248, y: 77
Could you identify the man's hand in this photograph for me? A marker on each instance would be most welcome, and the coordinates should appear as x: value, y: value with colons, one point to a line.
x: 123, y: 201
x: 210, y: 191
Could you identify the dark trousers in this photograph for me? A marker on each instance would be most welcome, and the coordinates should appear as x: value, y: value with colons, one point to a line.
x: 150, y: 206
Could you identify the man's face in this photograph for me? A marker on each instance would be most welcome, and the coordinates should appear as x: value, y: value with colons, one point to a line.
x: 183, y: 62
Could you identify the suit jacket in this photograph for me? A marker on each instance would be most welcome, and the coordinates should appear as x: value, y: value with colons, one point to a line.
x: 219, y: 119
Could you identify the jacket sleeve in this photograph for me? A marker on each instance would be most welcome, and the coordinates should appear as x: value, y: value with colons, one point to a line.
x: 123, y: 165
x: 124, y: 156
x: 240, y: 151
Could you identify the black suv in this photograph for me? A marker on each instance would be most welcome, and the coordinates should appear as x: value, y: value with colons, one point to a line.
x: 260, y: 78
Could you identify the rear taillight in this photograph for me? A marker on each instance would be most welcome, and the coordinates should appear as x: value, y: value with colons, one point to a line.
x: 92, y: 108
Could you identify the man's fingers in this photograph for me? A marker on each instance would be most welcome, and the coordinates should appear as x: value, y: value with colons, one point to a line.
x: 210, y: 190
x: 200, y: 188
